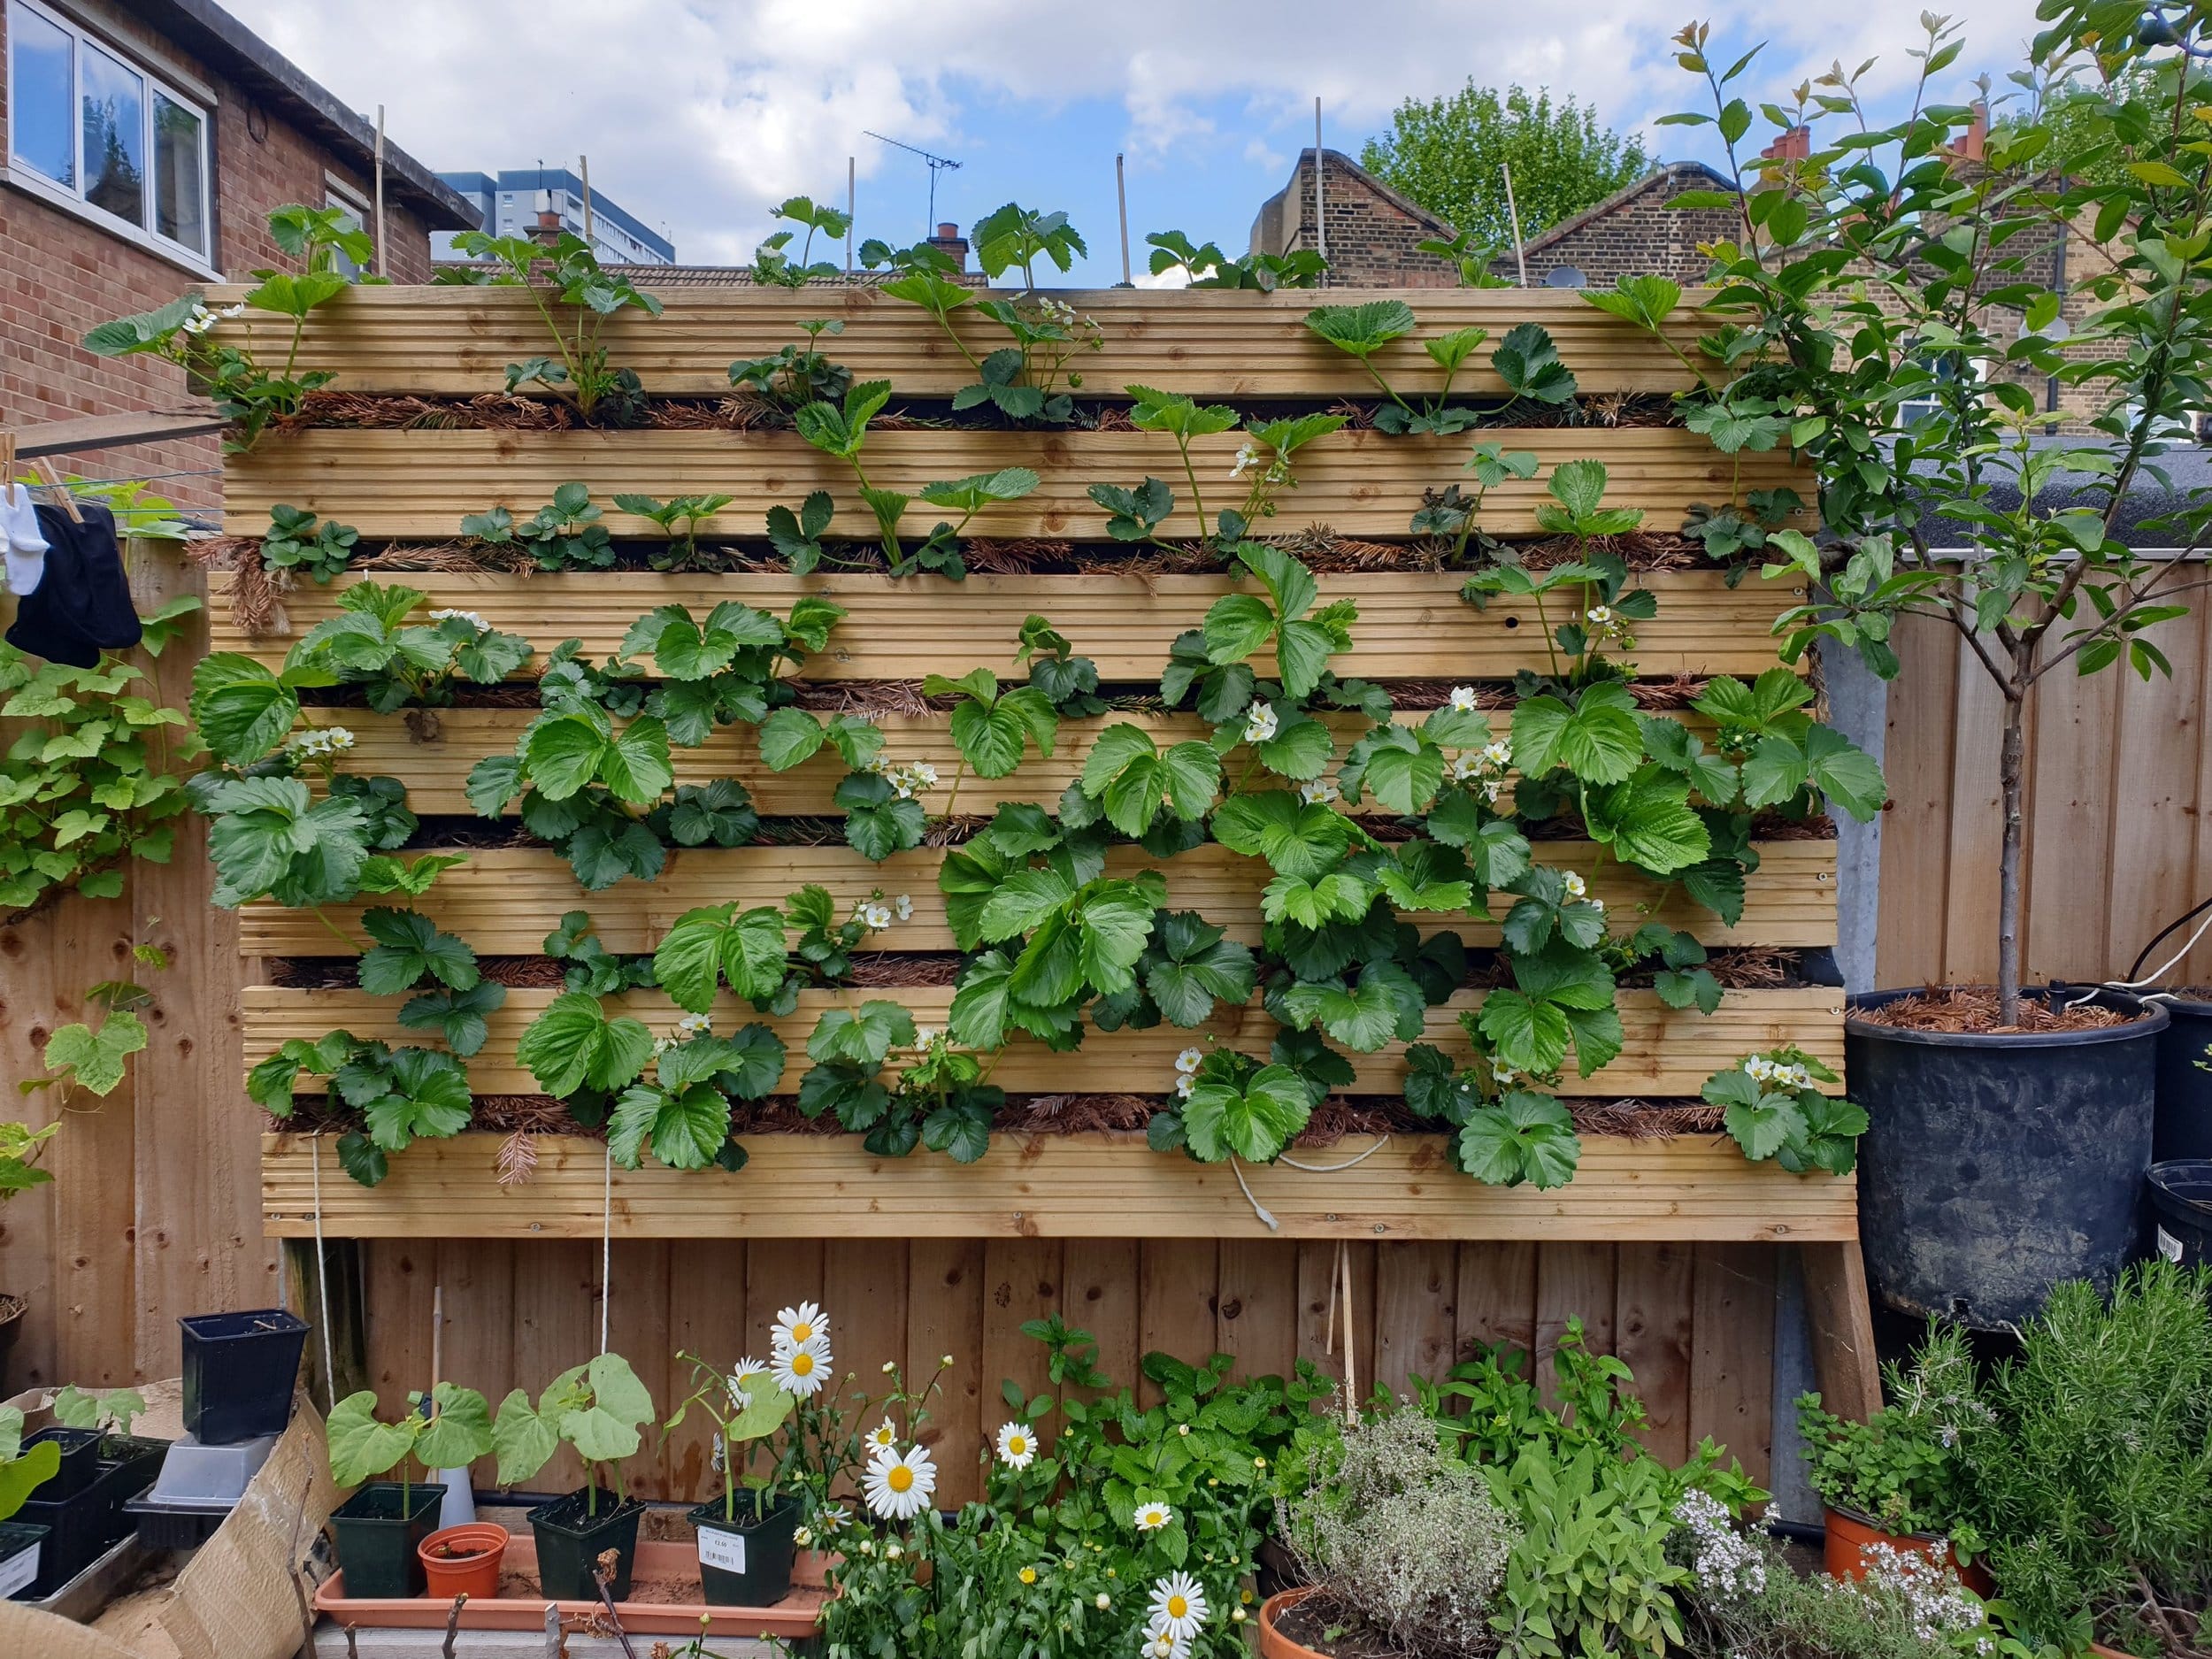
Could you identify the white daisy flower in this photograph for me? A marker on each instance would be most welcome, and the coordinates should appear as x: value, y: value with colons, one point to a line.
x: 1016, y: 1446
x: 898, y: 1484
x: 1320, y: 791
x: 1150, y: 1517
x: 1178, y: 1605
x: 795, y: 1326
x: 1159, y: 1644
x: 801, y: 1371
x: 1190, y: 1060
x: 1576, y: 887
x: 832, y: 1519
x: 1464, y: 699
x: 883, y: 1438
x: 1259, y: 724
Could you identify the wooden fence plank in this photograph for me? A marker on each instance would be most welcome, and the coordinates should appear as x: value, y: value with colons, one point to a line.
x: 1257, y: 1310
x: 458, y: 340
x: 2070, y: 830
x: 1497, y: 1296
x: 504, y: 900
x: 1104, y: 1282
x: 1412, y: 624
x: 945, y: 1301
x: 1918, y: 765
x: 1574, y: 1280
x: 707, y: 1317
x: 1322, y: 1322
x: 477, y: 1278
x: 556, y: 1325
x: 2153, y: 794
x: 422, y: 484
x: 94, y: 1288
x: 1652, y: 1335
x: 1670, y: 1052
x: 1731, y: 1368
x: 1416, y: 1330
x: 1178, y: 1285
x: 637, y: 1328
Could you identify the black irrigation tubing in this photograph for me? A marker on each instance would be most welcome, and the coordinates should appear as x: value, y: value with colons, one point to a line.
x: 2190, y: 915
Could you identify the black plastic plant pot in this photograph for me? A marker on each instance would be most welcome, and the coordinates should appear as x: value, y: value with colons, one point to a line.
x: 1994, y: 1166
x: 2181, y: 1211
x: 81, y: 1527
x: 21, y: 1548
x: 377, y: 1530
x: 2183, y: 1125
x: 239, y: 1370
x: 80, y: 1465
x: 571, y: 1540
x: 746, y: 1562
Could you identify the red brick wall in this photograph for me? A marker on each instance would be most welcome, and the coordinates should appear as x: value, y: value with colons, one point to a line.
x: 1371, y: 232
x: 60, y: 274
x: 1636, y: 235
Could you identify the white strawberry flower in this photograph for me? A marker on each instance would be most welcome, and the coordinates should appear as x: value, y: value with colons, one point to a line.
x: 1320, y: 791
x: 1576, y: 887
x: 1259, y: 724
x: 905, y: 905
x: 1462, y: 699
x: 1189, y: 1060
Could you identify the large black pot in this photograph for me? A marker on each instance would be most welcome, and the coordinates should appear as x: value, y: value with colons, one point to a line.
x: 1996, y: 1166
x: 2184, y: 1128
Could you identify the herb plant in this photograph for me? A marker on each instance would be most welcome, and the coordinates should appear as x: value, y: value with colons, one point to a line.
x: 1903, y: 1468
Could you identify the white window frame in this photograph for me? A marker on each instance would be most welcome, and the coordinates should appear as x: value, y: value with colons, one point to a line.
x: 338, y: 194
x: 71, y: 198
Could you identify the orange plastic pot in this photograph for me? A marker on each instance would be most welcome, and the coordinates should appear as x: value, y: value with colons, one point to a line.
x: 1273, y: 1643
x: 1850, y: 1533
x: 464, y: 1560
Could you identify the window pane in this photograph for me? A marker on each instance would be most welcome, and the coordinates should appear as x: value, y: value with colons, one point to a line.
x: 114, y: 137
x: 40, y: 89
x: 180, y: 184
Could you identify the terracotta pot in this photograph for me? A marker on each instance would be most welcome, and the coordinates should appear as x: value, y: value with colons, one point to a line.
x: 464, y: 1560
x: 1273, y: 1643
x: 1849, y: 1534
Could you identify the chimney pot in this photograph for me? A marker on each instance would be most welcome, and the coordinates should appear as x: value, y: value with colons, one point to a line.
x: 947, y: 231
x: 950, y: 241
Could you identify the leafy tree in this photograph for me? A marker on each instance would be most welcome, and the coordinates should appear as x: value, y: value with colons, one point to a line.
x: 1446, y: 153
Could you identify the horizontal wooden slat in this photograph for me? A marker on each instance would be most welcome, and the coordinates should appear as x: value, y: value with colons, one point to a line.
x: 1210, y: 343
x: 1078, y: 1186
x: 1412, y: 624
x: 1362, y: 483
x: 1667, y: 1052
x: 504, y: 901
x: 436, y: 769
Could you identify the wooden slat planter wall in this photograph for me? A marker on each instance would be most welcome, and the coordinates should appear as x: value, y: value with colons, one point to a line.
x: 422, y: 484
x: 459, y: 341
x: 1410, y: 627
x: 922, y: 1257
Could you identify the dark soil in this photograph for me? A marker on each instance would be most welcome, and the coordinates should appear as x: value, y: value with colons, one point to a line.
x: 1973, y: 1009
x: 1317, y: 1623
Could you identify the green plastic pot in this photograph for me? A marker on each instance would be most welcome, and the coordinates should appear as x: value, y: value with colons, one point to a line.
x: 746, y: 1562
x: 378, y: 1531
x: 571, y: 1540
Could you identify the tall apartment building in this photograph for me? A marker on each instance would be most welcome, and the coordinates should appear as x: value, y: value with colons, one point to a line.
x: 511, y: 203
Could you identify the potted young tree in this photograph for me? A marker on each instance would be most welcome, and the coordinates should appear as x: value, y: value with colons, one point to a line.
x: 597, y: 1408
x: 382, y: 1529
x: 747, y: 1543
x: 1904, y: 302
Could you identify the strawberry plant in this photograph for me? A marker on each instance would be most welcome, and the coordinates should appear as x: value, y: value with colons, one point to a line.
x: 567, y: 274
x: 297, y: 540
x: 402, y: 1094
x: 566, y: 533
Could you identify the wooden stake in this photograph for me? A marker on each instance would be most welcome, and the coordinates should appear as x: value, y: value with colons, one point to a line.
x: 583, y: 172
x: 1121, y: 191
x: 378, y: 252
x: 1320, y: 216
x: 1519, y: 257
x: 852, y: 207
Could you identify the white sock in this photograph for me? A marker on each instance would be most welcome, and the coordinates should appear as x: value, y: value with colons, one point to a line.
x: 26, y: 552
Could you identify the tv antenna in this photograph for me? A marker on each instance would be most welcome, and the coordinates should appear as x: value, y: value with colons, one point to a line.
x: 937, y: 164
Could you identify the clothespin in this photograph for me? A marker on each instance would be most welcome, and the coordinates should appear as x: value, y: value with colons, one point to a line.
x: 53, y: 482
x: 7, y: 459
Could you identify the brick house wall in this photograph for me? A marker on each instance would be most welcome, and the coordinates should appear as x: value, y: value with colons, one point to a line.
x: 1632, y: 232
x: 1372, y: 229
x: 60, y: 273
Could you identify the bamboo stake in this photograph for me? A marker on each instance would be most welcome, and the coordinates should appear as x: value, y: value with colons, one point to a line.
x: 377, y: 253
x: 1121, y: 193
x: 1519, y: 257
x: 583, y: 173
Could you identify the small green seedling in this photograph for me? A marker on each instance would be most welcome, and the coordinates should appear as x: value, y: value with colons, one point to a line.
x: 362, y: 1447
x: 596, y: 1408
x: 110, y: 1410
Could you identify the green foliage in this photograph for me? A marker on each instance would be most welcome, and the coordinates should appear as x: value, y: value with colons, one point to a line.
x: 297, y: 541
x: 1066, y: 681
x: 20, y: 1148
x: 596, y: 1408
x: 686, y: 511
x: 683, y: 1112
x: 369, y: 643
x: 1446, y: 153
x: 564, y: 273
x: 773, y: 264
x: 1206, y: 266
x: 1526, y: 359
x: 110, y: 1410
x: 2092, y: 1478
x: 86, y: 784
x: 1773, y: 1109
x: 992, y: 728
x: 1902, y: 1468
x: 449, y: 1428
x: 568, y: 533
x: 402, y: 1094
x: 22, y: 1473
x: 217, y: 348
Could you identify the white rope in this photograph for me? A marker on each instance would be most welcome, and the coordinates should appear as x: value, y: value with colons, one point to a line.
x: 1258, y: 1209
x: 1331, y: 1169
x: 322, y: 1273
x: 2153, y: 976
x: 606, y: 1249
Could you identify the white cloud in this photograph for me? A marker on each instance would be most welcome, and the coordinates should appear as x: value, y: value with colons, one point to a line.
x: 700, y: 114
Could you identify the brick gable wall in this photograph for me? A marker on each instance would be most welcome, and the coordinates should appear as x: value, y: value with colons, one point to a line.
x: 1371, y: 230
x: 60, y: 274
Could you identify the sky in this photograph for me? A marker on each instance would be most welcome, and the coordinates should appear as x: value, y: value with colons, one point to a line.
x: 700, y: 115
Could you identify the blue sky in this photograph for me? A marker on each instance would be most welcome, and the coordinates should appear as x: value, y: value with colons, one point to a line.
x: 700, y: 114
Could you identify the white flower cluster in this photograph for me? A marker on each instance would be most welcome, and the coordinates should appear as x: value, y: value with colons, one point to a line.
x: 320, y: 742
x: 1186, y: 1064
x: 1259, y: 724
x: 875, y: 915
x: 1320, y: 791
x: 1938, y: 1606
x: 1729, y: 1566
x: 1776, y: 1074
x: 1249, y: 455
x: 1485, y: 767
x: 1577, y: 889
x: 906, y: 781
x: 799, y: 1350
x: 202, y: 320
x: 469, y: 617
